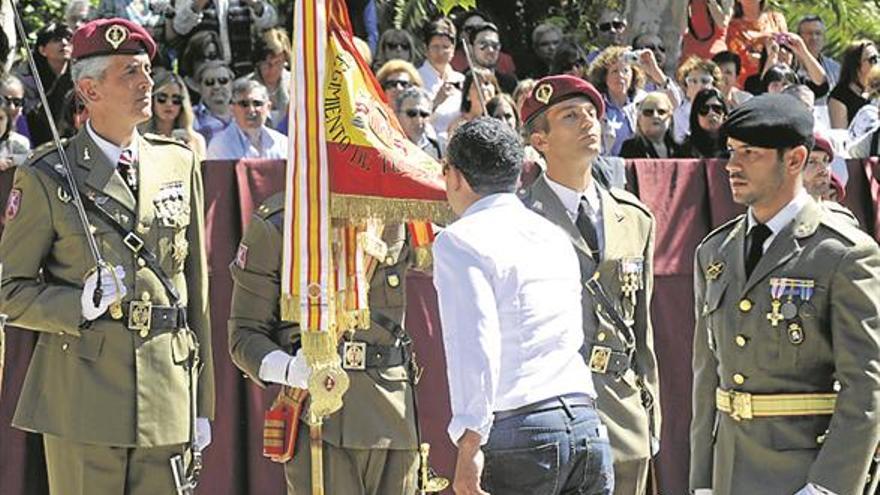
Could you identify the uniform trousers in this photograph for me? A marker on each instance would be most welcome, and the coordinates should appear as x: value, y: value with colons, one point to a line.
x: 76, y: 468
x: 631, y: 477
x: 353, y: 471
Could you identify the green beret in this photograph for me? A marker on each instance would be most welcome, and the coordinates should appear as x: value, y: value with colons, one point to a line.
x: 771, y: 121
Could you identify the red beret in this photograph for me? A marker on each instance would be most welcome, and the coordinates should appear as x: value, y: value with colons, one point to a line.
x: 111, y: 37
x: 553, y: 89
x: 822, y: 144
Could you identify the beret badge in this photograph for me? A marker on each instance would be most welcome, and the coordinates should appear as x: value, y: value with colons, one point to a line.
x: 544, y: 92
x: 116, y: 35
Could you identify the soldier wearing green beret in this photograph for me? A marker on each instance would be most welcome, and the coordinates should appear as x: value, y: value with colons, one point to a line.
x: 110, y: 384
x: 787, y: 337
x: 370, y: 445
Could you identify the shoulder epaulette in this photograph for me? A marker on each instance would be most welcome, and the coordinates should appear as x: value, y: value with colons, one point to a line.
x: 842, y: 221
x: 839, y: 209
x: 272, y: 210
x: 43, y: 150
x: 629, y: 198
x: 726, y: 226
x: 160, y: 139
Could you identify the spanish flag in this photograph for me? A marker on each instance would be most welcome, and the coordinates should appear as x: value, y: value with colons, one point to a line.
x: 350, y: 166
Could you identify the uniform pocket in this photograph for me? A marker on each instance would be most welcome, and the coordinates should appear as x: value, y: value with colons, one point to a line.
x: 796, y: 433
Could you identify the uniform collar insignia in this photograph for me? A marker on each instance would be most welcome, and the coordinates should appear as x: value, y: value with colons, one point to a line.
x: 715, y: 270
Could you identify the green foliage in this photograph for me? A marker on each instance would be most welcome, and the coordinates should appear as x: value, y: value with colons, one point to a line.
x: 37, y: 13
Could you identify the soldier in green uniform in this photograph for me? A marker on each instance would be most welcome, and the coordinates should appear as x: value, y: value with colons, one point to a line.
x: 787, y: 339
x: 110, y: 392
x: 370, y: 445
x: 613, y: 235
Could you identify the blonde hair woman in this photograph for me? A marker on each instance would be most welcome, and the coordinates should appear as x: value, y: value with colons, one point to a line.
x: 173, y: 113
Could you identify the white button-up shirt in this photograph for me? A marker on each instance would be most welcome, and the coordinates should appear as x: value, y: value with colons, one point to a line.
x: 508, y: 287
x: 781, y: 219
x: 571, y: 200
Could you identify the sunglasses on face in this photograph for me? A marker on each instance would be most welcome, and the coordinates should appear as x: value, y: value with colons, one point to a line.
x: 873, y: 59
x: 250, y: 103
x: 704, y: 80
x: 612, y: 26
x: 653, y: 48
x: 396, y: 83
x: 712, y: 107
x: 650, y: 112
x: 413, y: 113
x: 489, y: 45
x: 163, y: 98
x: 222, y: 81
x: 390, y: 45
x: 12, y: 101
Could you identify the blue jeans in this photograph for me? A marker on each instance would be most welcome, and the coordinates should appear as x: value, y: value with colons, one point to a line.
x: 563, y: 450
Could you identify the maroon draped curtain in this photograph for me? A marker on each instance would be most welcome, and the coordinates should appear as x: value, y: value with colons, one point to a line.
x: 688, y: 198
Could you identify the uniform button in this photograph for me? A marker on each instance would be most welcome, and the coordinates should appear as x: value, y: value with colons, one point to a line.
x: 145, y: 296
x: 141, y: 228
x: 741, y: 341
x: 65, y: 346
x: 601, y: 337
x: 738, y: 379
x: 745, y: 305
x: 141, y: 262
x: 389, y: 260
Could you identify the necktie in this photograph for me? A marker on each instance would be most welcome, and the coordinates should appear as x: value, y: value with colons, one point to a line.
x: 757, y: 236
x: 587, y: 228
x: 127, y: 171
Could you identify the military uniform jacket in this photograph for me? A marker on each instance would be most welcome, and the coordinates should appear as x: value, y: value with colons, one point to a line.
x: 629, y: 237
x: 736, y: 347
x: 377, y: 410
x: 103, y: 383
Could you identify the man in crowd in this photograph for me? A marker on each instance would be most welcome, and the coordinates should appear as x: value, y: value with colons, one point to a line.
x: 370, y: 445
x: 111, y: 378
x: 786, y: 375
x: 612, y: 233
x: 213, y: 111
x: 546, y: 37
x: 248, y: 136
x: 812, y: 29
x: 611, y: 27
x: 486, y: 46
x: 413, y: 107
x: 508, y: 293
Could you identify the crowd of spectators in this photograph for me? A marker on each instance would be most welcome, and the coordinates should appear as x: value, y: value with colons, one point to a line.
x: 222, y: 77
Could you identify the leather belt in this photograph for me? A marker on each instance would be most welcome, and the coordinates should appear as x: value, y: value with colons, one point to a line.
x: 558, y: 402
x: 604, y: 359
x: 359, y: 356
x: 144, y: 316
x: 743, y: 405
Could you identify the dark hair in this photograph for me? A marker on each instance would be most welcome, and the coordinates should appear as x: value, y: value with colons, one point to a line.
x: 497, y: 100
x: 808, y: 18
x: 776, y: 73
x: 53, y: 31
x: 568, y: 55
x: 488, y: 153
x: 701, y: 141
x: 852, y: 60
x: 479, y: 28
x: 726, y: 57
x: 194, y: 53
x: 461, y: 17
x: 484, y: 74
x: 738, y: 8
x: 442, y: 26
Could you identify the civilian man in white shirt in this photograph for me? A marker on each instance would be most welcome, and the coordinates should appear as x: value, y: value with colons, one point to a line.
x: 508, y: 285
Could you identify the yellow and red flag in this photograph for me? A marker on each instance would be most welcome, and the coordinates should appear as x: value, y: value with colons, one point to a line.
x: 350, y: 165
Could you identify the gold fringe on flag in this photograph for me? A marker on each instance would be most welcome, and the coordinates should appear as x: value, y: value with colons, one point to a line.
x: 389, y: 209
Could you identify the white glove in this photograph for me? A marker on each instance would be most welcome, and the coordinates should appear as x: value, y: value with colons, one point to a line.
x: 203, y: 433
x: 113, y: 287
x: 703, y: 491
x: 298, y: 371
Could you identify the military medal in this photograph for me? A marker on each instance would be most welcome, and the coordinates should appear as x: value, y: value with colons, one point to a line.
x: 795, y: 333
x: 776, y: 290
x: 715, y: 270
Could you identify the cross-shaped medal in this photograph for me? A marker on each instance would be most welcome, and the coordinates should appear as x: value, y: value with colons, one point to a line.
x: 774, y: 315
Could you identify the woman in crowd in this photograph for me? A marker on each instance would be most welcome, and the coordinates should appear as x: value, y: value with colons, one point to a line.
x: 694, y: 75
x: 752, y: 22
x: 503, y: 108
x: 396, y: 76
x: 867, y: 118
x: 14, y: 147
x: 850, y: 93
x: 270, y: 56
x: 173, y: 113
x: 730, y: 65
x: 523, y: 88
x: 620, y: 81
x: 442, y: 82
x: 709, y: 112
x: 52, y: 58
x: 201, y: 47
x: 790, y: 51
x: 471, y: 104
x: 653, y: 137
x: 394, y: 44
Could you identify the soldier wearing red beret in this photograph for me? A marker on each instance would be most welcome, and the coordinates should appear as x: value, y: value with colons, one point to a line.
x: 109, y: 383
x: 613, y: 234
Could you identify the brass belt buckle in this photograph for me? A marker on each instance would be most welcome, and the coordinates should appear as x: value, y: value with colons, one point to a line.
x: 140, y: 316
x: 354, y: 356
x: 740, y: 405
x: 600, y: 358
